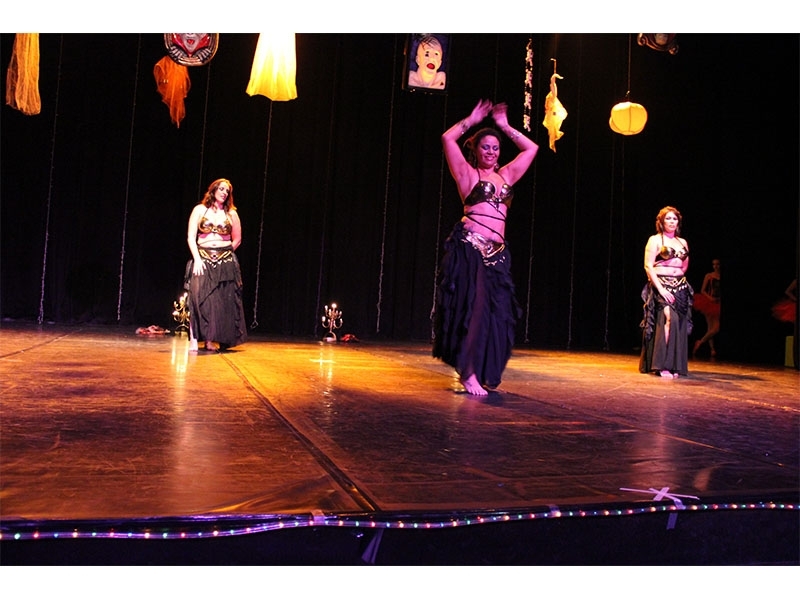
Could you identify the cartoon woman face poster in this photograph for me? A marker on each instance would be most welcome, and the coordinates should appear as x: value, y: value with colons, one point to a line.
x: 427, y: 57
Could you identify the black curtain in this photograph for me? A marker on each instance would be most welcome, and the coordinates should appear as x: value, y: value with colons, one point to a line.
x: 344, y: 195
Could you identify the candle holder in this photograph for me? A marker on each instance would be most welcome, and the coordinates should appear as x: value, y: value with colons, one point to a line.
x: 181, y: 313
x: 331, y: 319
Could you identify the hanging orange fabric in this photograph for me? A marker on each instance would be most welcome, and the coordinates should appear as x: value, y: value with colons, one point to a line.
x: 173, y: 84
x: 22, y: 77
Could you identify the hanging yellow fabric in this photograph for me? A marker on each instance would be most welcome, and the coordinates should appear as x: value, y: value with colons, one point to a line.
x: 274, y: 67
x: 173, y: 84
x: 22, y: 77
x: 554, y: 112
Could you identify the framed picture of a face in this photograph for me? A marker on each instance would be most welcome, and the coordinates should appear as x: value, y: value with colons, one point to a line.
x: 191, y: 49
x: 427, y: 61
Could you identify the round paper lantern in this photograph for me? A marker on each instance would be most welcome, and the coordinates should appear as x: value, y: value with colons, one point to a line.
x: 628, y: 118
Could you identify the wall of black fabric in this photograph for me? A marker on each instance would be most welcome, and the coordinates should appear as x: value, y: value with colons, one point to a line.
x: 358, y: 199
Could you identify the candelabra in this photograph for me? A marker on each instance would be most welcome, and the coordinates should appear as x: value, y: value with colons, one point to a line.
x: 331, y: 319
x: 181, y: 313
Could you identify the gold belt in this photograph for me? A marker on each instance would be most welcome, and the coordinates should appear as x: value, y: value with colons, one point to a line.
x: 215, y: 254
x: 485, y: 246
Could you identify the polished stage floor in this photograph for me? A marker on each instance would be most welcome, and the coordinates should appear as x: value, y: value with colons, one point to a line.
x: 108, y: 434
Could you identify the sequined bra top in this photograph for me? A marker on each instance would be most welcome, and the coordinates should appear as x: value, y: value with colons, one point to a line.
x: 668, y: 252
x: 485, y: 191
x: 206, y: 226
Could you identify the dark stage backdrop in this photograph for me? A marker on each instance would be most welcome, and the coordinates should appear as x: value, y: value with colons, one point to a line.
x: 344, y: 195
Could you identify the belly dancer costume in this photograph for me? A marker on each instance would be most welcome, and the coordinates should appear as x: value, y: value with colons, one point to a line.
x: 658, y: 354
x: 476, y: 310
x: 215, y: 297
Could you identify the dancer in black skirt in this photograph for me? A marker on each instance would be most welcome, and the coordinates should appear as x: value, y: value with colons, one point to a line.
x: 213, y: 276
x: 476, y: 309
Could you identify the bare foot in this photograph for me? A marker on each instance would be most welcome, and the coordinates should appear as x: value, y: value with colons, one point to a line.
x: 211, y: 346
x: 675, y: 375
x: 473, y: 387
x: 666, y: 374
x: 192, y: 345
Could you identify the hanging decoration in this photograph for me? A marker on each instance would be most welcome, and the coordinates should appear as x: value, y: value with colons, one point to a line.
x: 171, y: 73
x: 22, y: 77
x: 173, y: 83
x: 663, y: 42
x: 554, y: 111
x: 628, y: 118
x: 191, y: 49
x: 274, y: 67
x: 527, y: 103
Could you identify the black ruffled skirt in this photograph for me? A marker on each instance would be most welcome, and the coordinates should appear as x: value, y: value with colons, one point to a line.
x: 215, y: 300
x: 476, y: 310
x: 660, y: 353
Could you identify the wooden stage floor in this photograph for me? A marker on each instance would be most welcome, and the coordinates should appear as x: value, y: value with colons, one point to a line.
x: 101, y: 427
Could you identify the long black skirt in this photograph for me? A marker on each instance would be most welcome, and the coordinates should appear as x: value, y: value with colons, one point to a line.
x: 215, y: 301
x: 659, y: 352
x: 476, y: 311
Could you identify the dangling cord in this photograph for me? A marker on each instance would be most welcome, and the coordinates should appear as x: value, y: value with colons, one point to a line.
x: 575, y: 201
x: 528, y: 93
x: 203, y: 137
x: 128, y: 181
x: 326, y: 193
x: 254, y: 324
x: 438, y: 229
x: 496, y: 66
x: 386, y: 189
x: 606, y: 345
x: 50, y: 185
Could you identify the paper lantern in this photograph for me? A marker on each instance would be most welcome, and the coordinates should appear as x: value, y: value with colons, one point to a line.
x: 628, y: 118
x: 274, y: 67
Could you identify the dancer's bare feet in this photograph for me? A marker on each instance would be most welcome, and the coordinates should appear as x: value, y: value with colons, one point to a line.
x: 473, y: 387
x: 211, y: 347
x: 666, y: 375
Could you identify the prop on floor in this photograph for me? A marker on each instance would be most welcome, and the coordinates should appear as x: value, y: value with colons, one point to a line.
x: 181, y: 312
x: 151, y: 330
x: 331, y: 319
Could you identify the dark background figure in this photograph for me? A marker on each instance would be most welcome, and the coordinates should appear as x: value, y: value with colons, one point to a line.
x: 785, y: 310
x: 707, y: 300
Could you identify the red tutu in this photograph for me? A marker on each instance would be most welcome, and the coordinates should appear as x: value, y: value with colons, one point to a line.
x: 705, y: 305
x: 785, y: 310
